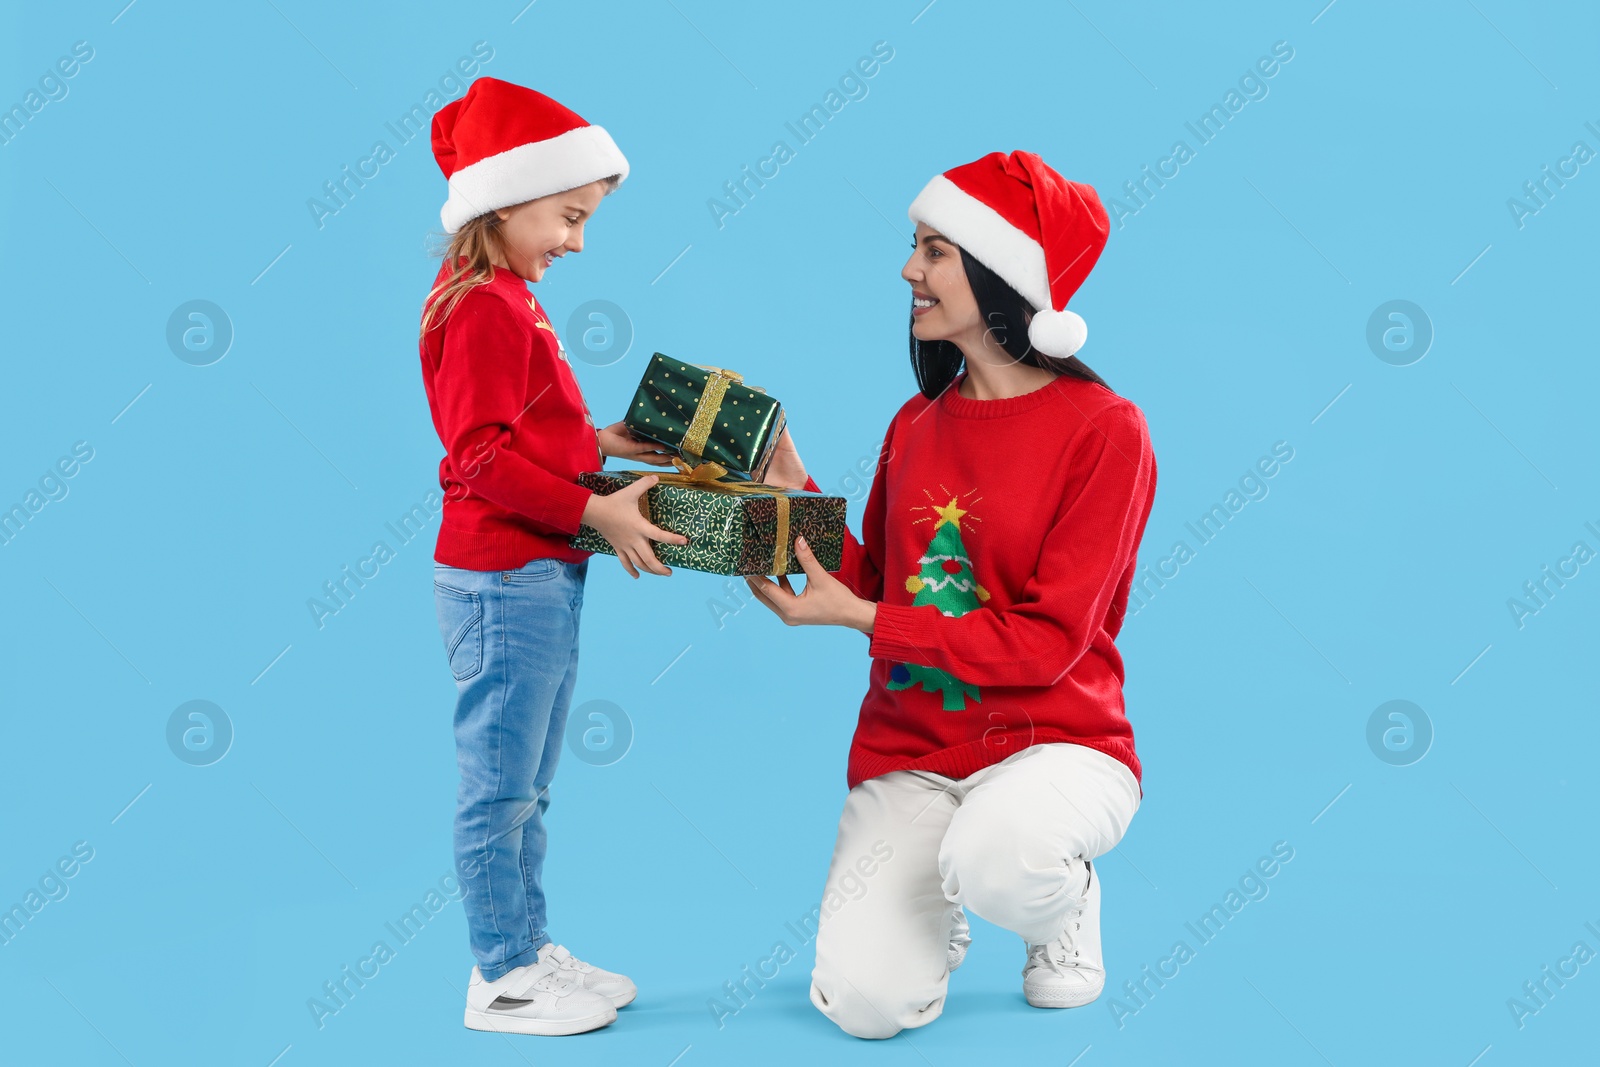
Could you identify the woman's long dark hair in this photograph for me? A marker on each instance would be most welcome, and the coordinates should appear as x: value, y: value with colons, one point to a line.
x: 937, y: 363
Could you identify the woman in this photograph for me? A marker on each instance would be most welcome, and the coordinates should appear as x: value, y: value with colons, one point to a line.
x: 992, y: 762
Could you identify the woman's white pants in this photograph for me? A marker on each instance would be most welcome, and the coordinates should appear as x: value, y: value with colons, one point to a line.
x: 1008, y: 843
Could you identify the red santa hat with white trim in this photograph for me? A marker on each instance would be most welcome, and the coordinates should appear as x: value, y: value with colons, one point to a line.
x: 1039, y: 232
x: 503, y: 144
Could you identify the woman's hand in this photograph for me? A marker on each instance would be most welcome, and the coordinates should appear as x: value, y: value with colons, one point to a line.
x: 620, y: 441
x: 619, y: 521
x: 826, y: 601
x: 785, y: 469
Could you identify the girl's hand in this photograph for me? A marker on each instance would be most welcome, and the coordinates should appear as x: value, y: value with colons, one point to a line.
x: 786, y: 469
x: 619, y: 521
x: 826, y: 601
x: 620, y: 441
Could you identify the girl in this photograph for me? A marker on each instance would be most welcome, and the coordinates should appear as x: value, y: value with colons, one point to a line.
x: 525, y: 175
x: 992, y: 761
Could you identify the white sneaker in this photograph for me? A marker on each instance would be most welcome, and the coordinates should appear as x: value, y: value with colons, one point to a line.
x: 617, y: 988
x: 537, y: 999
x: 1069, y: 971
x: 960, y: 938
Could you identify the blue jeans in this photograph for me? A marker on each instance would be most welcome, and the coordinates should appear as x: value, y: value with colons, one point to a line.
x: 512, y: 641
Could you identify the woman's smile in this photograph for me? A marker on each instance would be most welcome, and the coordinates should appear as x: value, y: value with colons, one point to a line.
x: 921, y: 303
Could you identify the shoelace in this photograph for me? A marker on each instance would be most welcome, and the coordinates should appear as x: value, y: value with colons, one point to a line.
x: 567, y: 961
x: 1063, y: 951
x: 550, y: 980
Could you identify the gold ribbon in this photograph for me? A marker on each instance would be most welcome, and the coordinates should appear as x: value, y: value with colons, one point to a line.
x: 732, y: 374
x: 706, y: 475
x: 706, y: 409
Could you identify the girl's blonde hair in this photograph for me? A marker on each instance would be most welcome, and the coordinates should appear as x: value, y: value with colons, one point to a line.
x: 478, y: 241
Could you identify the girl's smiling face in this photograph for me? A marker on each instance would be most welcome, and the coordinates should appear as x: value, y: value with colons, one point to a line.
x: 535, y: 233
x: 942, y: 305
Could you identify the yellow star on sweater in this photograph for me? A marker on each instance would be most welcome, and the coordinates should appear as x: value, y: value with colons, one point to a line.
x: 949, y: 513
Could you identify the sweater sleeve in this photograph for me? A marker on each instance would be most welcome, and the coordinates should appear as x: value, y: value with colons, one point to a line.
x: 481, y: 382
x: 861, y: 566
x: 1063, y: 606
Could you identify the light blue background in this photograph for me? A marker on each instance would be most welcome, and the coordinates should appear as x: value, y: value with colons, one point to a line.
x: 1232, y: 308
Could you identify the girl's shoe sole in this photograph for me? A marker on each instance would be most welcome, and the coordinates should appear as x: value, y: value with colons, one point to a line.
x: 501, y: 1023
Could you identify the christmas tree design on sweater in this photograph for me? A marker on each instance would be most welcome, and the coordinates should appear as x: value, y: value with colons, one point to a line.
x: 944, y: 579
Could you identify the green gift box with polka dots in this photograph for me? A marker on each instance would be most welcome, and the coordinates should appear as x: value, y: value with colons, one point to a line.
x: 741, y: 435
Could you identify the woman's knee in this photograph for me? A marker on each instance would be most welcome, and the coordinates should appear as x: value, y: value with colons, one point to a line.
x: 974, y: 859
x: 1000, y: 871
x: 874, y: 1007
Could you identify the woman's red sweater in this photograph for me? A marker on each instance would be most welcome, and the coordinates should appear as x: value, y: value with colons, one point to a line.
x: 999, y: 542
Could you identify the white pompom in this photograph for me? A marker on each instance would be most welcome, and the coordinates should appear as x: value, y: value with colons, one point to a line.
x: 1058, y: 333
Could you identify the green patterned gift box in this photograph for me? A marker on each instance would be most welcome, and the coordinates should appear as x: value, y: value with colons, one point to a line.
x: 707, y: 413
x: 733, y: 527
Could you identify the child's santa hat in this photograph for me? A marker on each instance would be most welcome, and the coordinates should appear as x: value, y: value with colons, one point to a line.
x: 502, y: 144
x: 1039, y: 232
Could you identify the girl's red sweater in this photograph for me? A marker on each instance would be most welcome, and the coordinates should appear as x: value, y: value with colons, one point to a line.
x: 1012, y: 642
x: 515, y: 428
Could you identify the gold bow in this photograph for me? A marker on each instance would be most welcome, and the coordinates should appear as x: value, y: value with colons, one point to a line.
x: 706, y: 475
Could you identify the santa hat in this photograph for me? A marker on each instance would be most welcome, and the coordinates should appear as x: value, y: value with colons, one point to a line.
x: 1039, y: 232
x: 502, y: 144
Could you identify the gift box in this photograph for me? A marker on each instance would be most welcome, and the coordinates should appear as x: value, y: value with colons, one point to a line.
x: 707, y: 414
x: 733, y: 526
